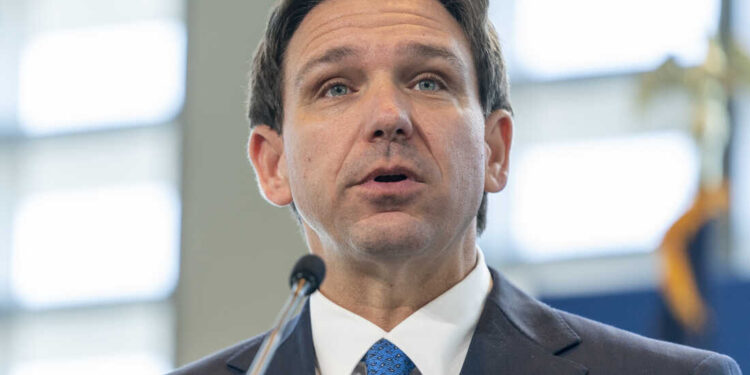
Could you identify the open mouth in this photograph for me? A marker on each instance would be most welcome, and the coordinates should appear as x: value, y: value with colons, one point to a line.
x: 391, y: 178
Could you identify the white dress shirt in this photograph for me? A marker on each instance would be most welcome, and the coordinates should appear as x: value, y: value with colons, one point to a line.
x: 436, y: 337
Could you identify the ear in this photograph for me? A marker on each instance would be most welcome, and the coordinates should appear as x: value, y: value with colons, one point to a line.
x: 266, y: 151
x: 498, y: 133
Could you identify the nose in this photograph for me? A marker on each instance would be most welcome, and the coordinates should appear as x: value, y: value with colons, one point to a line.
x: 389, y: 118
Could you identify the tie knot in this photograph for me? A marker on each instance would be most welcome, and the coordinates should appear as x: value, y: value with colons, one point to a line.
x: 384, y: 358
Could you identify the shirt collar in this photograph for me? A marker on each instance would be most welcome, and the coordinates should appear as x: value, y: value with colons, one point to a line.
x: 341, y: 337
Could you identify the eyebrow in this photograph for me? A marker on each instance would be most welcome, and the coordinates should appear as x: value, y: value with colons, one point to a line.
x: 428, y: 51
x: 412, y: 50
x: 331, y: 56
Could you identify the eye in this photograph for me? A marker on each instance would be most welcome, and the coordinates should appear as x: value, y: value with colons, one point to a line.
x: 337, y: 89
x: 427, y: 84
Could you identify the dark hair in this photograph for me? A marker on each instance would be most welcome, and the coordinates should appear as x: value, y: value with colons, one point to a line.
x: 265, y: 101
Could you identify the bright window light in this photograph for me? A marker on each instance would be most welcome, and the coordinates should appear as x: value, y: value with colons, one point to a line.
x: 600, y: 197
x: 116, y: 365
x: 102, y: 77
x: 583, y: 37
x: 105, y: 245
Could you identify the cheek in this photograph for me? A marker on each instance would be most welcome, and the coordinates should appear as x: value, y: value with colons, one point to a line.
x: 464, y: 149
x: 299, y: 160
x: 302, y: 161
x: 312, y: 159
x: 468, y: 151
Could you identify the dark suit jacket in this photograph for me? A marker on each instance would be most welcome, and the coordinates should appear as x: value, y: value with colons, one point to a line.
x: 516, y: 334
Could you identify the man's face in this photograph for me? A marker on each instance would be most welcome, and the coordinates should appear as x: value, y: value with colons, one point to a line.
x: 384, y: 138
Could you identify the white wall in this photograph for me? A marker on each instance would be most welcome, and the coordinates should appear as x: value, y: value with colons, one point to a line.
x: 237, y: 250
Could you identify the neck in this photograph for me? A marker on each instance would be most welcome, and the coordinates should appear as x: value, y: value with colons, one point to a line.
x: 387, y: 291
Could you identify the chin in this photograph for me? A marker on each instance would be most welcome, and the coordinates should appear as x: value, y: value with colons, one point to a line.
x: 391, y: 238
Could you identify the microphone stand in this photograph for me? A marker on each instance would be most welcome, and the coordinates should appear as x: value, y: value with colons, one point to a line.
x: 271, y: 342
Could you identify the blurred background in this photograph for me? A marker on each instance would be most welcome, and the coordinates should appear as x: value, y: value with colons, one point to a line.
x: 133, y: 238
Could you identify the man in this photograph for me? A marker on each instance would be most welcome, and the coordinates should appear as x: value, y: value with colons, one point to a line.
x: 384, y: 124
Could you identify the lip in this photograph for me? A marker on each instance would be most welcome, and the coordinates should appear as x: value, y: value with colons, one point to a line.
x: 402, y: 189
x: 392, y: 170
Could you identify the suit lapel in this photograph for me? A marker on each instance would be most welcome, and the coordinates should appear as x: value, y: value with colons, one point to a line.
x: 295, y: 355
x: 518, y: 335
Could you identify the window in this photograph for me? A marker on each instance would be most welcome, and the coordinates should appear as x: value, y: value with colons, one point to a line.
x: 96, y: 245
x: 584, y: 147
x: 604, y: 196
x: 102, y: 77
x: 557, y: 39
x: 89, y: 196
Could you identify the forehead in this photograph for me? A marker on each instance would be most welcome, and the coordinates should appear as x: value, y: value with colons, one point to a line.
x: 373, y: 25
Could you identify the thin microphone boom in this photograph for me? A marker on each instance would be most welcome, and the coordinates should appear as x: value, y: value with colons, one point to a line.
x: 306, y: 277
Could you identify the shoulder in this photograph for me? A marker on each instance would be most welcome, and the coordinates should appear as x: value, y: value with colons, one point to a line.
x: 216, y: 363
x: 604, y: 348
x: 600, y: 348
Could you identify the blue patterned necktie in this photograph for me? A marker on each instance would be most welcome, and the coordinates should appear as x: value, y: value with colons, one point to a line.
x: 384, y: 358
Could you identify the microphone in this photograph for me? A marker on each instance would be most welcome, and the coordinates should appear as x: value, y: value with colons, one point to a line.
x: 307, y: 275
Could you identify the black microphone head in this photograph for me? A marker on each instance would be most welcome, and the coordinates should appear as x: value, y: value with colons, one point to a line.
x: 311, y: 268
